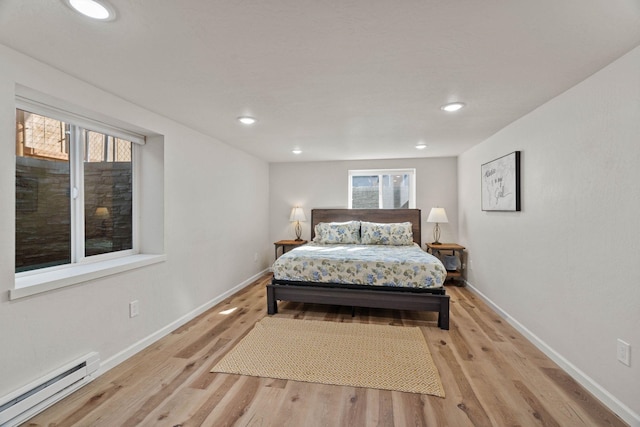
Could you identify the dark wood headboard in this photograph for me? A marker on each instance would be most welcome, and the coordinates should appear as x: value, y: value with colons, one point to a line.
x: 371, y: 215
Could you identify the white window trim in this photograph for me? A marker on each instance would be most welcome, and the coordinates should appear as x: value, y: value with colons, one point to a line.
x: 72, y: 274
x: 34, y: 282
x: 379, y: 172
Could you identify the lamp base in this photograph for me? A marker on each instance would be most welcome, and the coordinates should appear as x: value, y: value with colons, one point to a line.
x: 298, y: 229
x: 436, y: 235
x: 297, y: 240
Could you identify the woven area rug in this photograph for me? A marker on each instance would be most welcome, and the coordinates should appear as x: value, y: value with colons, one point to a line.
x: 352, y: 354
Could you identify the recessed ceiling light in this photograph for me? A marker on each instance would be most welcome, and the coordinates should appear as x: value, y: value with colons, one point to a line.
x: 421, y: 145
x: 96, y: 9
x: 246, y: 120
x: 296, y: 151
x: 453, y: 106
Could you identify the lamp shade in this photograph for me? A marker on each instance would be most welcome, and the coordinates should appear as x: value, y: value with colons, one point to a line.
x: 102, y: 212
x: 437, y: 215
x: 297, y: 214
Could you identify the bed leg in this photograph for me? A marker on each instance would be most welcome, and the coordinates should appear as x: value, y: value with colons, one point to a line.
x: 272, y: 303
x: 443, y: 315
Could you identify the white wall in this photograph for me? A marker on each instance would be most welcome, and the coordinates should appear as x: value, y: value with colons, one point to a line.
x: 325, y: 185
x: 215, y: 220
x: 566, y: 267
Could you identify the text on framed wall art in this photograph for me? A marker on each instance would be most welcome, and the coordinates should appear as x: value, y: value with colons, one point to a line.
x: 501, y: 183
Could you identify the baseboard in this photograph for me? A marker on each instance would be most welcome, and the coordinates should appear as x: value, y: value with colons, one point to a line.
x: 629, y: 416
x: 118, y: 358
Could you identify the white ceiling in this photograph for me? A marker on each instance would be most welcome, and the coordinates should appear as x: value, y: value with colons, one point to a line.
x: 342, y: 79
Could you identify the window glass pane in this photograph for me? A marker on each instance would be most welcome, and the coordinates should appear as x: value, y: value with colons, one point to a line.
x: 395, y: 191
x: 382, y: 189
x: 365, y: 192
x: 43, y: 212
x: 108, y: 193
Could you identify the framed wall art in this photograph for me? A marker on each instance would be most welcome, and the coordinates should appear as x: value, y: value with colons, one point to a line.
x: 501, y: 183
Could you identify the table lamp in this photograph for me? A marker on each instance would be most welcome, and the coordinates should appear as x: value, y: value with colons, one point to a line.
x: 297, y: 215
x: 437, y: 215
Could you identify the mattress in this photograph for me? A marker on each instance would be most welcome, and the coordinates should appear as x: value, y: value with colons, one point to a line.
x: 372, y: 265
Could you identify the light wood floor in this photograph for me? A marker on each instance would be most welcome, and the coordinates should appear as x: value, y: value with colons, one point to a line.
x: 492, y: 376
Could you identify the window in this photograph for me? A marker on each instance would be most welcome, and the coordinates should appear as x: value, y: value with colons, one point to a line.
x: 74, y: 190
x: 382, y: 189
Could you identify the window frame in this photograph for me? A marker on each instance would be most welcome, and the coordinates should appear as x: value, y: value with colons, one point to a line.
x: 81, y: 125
x: 380, y: 173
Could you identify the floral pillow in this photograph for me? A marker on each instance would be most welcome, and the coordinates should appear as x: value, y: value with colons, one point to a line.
x: 337, y: 232
x: 398, y: 233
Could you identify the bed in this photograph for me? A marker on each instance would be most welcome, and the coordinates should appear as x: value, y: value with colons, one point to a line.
x: 414, y: 281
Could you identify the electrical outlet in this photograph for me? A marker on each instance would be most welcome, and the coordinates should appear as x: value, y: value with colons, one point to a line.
x: 255, y: 257
x: 134, y: 308
x: 470, y: 264
x: 624, y: 352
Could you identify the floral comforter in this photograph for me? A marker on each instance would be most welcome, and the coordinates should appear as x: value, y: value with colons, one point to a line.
x: 375, y: 265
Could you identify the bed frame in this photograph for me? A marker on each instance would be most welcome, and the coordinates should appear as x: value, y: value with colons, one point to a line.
x: 358, y: 295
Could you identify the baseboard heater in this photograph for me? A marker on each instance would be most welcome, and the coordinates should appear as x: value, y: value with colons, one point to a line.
x: 33, y: 398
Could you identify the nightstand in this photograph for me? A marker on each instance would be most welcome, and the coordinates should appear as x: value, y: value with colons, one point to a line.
x: 287, y: 245
x: 455, y: 250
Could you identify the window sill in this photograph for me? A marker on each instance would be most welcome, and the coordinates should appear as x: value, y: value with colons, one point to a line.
x: 38, y: 283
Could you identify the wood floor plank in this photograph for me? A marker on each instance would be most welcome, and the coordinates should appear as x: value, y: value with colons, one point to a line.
x: 294, y: 406
x: 356, y: 407
x: 539, y: 410
x: 243, y: 393
x: 133, y: 388
x: 263, y: 405
x: 480, y: 321
x: 509, y: 407
x: 205, y: 339
x: 204, y: 380
x: 215, y: 396
x: 178, y: 406
x: 157, y: 398
x: 385, y: 409
x: 469, y: 403
x: 409, y: 409
x: 329, y: 404
x: 583, y: 399
x: 491, y: 376
x: 93, y: 402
